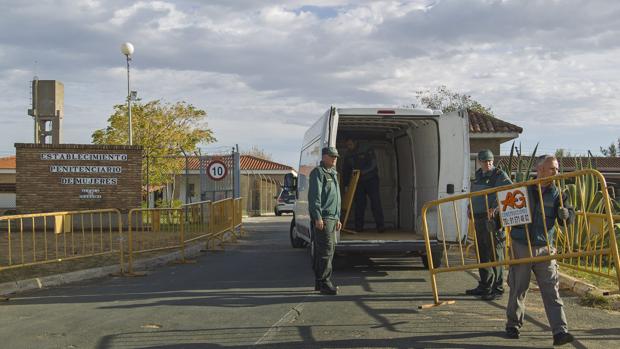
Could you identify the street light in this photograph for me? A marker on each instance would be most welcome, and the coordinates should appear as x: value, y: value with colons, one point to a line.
x: 127, y: 50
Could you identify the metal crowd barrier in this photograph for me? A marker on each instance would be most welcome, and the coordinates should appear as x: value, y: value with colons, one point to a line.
x: 588, y: 245
x: 35, y: 239
x: 157, y: 229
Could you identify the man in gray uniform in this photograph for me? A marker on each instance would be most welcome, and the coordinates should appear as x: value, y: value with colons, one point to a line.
x: 324, y: 207
x: 546, y: 272
x: 489, y: 235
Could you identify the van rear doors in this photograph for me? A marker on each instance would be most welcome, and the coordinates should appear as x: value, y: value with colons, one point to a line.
x: 453, y: 171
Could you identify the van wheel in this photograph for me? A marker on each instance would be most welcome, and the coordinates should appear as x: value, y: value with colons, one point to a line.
x: 278, y: 213
x: 296, y: 241
x: 436, y: 260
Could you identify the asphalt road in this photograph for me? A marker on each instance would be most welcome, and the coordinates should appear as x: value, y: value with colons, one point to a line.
x: 259, y: 294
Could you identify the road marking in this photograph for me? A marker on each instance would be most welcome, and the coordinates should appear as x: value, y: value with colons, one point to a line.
x: 287, y: 318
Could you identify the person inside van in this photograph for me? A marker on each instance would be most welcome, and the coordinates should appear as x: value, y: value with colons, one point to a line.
x: 362, y: 158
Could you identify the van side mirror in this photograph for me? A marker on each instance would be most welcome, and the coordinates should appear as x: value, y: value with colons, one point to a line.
x: 450, y: 188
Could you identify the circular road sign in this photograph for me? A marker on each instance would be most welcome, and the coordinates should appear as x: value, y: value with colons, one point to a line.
x: 217, y: 170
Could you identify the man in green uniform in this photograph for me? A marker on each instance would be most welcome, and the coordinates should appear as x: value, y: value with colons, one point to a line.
x: 490, y: 237
x: 324, y: 208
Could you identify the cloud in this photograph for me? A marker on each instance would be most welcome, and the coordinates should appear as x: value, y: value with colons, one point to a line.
x: 253, y: 64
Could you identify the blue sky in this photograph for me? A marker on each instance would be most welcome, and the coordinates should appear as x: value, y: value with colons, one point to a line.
x: 265, y: 70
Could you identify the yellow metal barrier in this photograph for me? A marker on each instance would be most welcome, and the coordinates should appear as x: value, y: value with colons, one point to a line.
x: 158, y: 229
x: 34, y: 239
x: 153, y: 229
x: 587, y: 244
x: 238, y: 215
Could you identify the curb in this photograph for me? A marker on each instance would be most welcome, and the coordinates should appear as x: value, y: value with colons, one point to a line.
x: 577, y: 286
x: 18, y: 286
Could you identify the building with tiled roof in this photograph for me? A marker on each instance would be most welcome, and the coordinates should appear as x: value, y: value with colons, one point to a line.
x: 7, y: 183
x: 259, y: 183
x: 248, y: 163
x: 487, y: 132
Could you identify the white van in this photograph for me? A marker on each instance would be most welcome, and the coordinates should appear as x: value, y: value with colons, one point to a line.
x: 422, y: 155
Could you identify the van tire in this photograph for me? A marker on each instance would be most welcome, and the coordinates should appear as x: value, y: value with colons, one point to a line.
x: 437, y: 257
x: 277, y: 213
x: 296, y: 241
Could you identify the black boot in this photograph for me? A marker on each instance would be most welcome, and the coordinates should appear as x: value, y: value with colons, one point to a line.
x: 562, y: 338
x: 478, y: 291
x: 328, y: 288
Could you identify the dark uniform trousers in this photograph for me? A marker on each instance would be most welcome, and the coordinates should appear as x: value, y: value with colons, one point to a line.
x: 324, y: 246
x: 368, y: 187
x: 491, y: 278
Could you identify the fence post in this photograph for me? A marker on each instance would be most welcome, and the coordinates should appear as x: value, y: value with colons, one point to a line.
x: 231, y: 212
x: 182, y: 236
x: 129, y: 243
x: 120, y: 239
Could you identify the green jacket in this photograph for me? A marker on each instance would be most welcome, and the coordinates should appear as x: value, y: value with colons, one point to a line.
x: 324, y: 193
x: 491, y: 179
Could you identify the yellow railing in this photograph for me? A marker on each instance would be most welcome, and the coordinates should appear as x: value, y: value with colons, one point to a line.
x: 587, y: 244
x: 34, y: 239
x: 157, y: 229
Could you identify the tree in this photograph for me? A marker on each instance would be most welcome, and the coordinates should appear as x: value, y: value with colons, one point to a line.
x: 165, y: 130
x: 562, y: 153
x: 258, y: 152
x: 447, y: 100
x: 612, y: 150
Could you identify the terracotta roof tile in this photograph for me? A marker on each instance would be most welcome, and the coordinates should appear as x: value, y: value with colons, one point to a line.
x: 482, y: 123
x: 248, y: 162
x: 7, y: 162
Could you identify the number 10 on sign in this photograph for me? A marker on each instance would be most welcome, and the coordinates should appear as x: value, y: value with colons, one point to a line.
x: 217, y: 170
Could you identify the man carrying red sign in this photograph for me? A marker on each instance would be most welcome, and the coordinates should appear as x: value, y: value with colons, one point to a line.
x: 552, y: 208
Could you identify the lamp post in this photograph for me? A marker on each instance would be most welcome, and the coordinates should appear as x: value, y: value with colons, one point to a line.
x: 127, y: 50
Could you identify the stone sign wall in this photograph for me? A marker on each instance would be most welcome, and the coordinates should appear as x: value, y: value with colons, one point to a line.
x: 77, y: 177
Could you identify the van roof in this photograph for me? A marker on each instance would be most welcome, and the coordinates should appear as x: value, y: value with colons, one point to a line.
x: 388, y: 111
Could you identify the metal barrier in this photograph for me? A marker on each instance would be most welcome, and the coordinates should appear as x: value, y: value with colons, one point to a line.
x: 587, y: 244
x: 35, y: 239
x: 157, y: 229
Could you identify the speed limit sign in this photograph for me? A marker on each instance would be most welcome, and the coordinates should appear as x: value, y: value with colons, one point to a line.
x: 217, y: 170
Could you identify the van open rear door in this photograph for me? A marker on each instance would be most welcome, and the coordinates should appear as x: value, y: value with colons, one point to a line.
x: 331, y: 128
x: 453, y: 172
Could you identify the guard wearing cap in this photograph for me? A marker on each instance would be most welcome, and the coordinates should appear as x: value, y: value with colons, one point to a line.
x: 324, y: 208
x: 489, y: 235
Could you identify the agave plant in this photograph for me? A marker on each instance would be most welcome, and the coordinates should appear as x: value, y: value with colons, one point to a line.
x: 585, y: 195
x: 521, y: 164
x: 588, y: 231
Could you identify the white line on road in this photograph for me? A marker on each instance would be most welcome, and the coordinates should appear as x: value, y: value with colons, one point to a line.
x: 287, y: 318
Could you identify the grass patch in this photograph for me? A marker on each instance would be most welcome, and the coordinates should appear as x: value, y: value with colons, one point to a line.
x: 600, y: 301
x: 595, y: 301
x: 600, y: 282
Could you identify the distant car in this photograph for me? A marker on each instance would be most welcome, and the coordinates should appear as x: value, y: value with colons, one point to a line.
x: 286, y: 202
